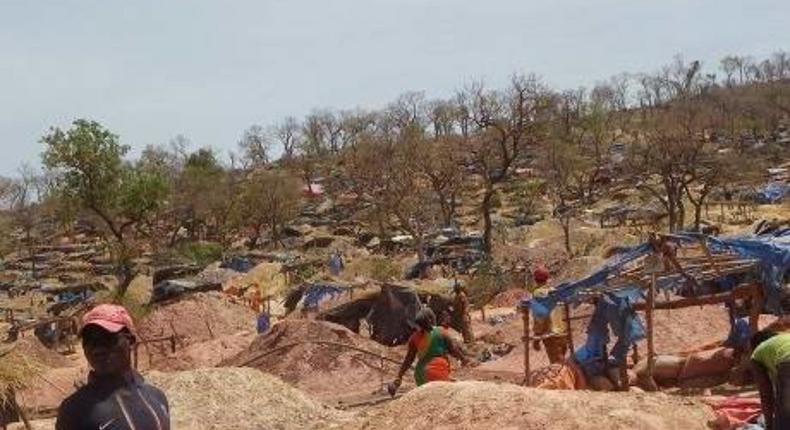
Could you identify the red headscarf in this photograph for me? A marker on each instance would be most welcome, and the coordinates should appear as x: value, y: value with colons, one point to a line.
x: 540, y: 275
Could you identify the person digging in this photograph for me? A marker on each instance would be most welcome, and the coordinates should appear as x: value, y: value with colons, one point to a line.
x: 430, y: 345
x: 116, y: 397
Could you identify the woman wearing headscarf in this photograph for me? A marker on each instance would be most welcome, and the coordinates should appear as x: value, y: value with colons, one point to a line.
x: 430, y: 345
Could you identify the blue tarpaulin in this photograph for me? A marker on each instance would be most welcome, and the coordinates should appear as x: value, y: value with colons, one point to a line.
x: 772, y: 252
x: 316, y: 293
x: 614, y: 310
x: 239, y: 264
x: 569, y: 292
x: 263, y: 323
x: 772, y: 193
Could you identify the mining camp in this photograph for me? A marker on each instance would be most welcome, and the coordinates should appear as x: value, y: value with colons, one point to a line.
x: 513, y: 254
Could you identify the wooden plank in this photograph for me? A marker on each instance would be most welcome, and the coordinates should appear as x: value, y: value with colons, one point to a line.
x: 711, y: 299
x: 569, y: 332
x: 527, y: 333
x: 651, y: 352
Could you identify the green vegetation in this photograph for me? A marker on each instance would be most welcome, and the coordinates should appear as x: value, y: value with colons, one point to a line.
x: 201, y: 253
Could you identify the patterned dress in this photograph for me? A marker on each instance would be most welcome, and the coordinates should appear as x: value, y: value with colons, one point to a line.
x: 432, y: 349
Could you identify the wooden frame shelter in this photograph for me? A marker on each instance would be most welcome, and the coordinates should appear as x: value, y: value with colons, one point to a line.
x: 693, y: 265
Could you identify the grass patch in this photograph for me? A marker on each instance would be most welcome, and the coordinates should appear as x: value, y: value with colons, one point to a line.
x: 201, y: 253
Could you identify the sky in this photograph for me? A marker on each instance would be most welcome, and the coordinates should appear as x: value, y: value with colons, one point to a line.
x: 151, y: 69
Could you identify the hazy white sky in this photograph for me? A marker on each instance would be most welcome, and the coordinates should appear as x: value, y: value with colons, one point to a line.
x: 151, y: 69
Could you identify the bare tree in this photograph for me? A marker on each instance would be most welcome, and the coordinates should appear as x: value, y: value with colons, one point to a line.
x: 288, y: 135
x: 507, y: 124
x: 255, y: 146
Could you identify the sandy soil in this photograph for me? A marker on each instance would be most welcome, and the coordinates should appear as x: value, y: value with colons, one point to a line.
x: 485, y: 405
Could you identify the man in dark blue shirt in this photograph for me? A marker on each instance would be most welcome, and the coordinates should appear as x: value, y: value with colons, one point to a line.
x: 116, y: 397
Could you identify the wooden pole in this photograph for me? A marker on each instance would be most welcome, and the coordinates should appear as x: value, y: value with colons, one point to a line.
x: 756, y: 308
x: 527, y: 335
x: 568, y: 327
x: 710, y: 299
x: 20, y: 411
x: 651, y: 352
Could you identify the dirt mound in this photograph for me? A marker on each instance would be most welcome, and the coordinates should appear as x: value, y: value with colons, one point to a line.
x: 240, y: 399
x: 197, y: 318
x: 507, y: 298
x: 49, y: 389
x: 476, y: 405
x: 210, y: 319
x: 324, y: 359
x: 199, y: 355
x: 32, y: 348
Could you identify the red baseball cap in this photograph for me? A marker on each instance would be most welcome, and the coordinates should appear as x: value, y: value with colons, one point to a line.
x: 112, y: 318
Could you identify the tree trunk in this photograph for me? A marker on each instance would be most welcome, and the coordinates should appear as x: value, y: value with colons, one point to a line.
x: 681, y: 210
x: 174, y: 236
x: 697, y: 215
x: 565, y: 220
x: 487, y: 223
x: 420, y: 249
x: 125, y: 277
x: 671, y: 213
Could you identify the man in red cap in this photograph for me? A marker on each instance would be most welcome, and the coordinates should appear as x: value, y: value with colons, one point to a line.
x: 553, y: 328
x: 116, y: 397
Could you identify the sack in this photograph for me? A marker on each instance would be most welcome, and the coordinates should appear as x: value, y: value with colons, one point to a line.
x: 708, y: 363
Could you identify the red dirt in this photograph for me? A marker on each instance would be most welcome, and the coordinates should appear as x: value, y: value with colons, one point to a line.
x: 199, y: 355
x: 52, y: 387
x: 198, y: 318
x: 507, y: 298
x: 34, y: 349
x: 326, y: 371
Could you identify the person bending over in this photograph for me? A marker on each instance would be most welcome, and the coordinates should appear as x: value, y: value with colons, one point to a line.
x: 431, y: 345
x: 771, y: 368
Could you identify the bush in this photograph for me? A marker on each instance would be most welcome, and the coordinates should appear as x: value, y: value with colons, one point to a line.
x: 201, y: 253
x: 375, y: 267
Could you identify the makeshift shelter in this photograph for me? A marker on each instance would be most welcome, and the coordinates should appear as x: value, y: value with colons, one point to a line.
x: 175, y: 288
x: 311, y: 294
x: 389, y: 313
x: 702, y: 270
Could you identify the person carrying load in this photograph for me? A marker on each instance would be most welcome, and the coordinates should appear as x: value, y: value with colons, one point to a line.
x: 430, y: 345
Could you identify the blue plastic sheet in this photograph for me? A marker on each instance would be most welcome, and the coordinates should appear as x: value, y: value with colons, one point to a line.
x: 568, y: 292
x: 739, y: 335
x: 263, y: 323
x: 316, y: 293
x: 772, y: 193
x: 239, y: 264
x: 615, y: 309
x: 614, y: 313
x: 772, y: 251
x: 336, y: 264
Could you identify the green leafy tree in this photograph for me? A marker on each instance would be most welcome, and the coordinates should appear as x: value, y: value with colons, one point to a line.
x: 269, y: 199
x: 89, y: 161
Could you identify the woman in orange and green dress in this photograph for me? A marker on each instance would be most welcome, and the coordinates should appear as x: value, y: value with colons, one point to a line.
x: 430, y: 345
